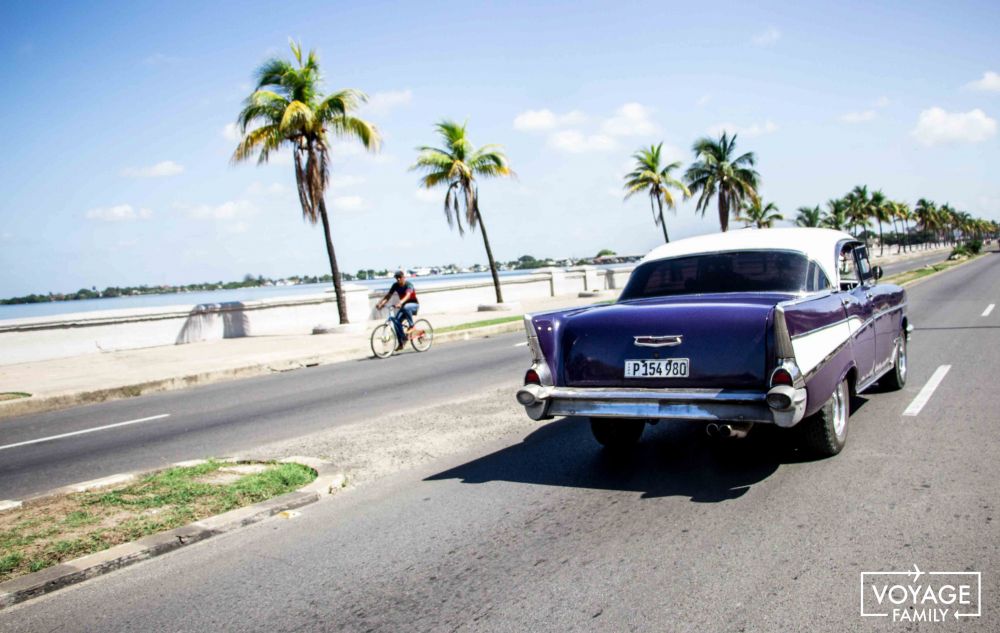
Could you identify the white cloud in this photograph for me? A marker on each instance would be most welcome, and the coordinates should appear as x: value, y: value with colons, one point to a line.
x: 6, y: 236
x: 576, y: 142
x: 273, y: 189
x: 348, y: 203
x: 237, y: 227
x: 226, y: 211
x: 767, y: 37
x: 159, y: 170
x: 545, y: 119
x: 347, y: 150
x: 703, y: 100
x: 990, y: 82
x: 858, y: 117
x: 750, y: 131
x: 936, y: 126
x: 384, y: 102
x: 632, y: 119
x: 231, y: 132
x: 118, y: 213
x: 428, y: 195
x: 882, y: 102
x: 340, y: 181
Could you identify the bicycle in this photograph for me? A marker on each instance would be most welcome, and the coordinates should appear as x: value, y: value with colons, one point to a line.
x: 384, y: 343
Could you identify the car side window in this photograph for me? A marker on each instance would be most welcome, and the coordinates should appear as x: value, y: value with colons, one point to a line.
x: 848, y: 269
x: 816, y: 278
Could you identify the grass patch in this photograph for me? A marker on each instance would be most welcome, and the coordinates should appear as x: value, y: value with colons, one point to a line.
x: 13, y: 395
x: 475, y: 324
x: 66, y: 527
x: 912, y: 275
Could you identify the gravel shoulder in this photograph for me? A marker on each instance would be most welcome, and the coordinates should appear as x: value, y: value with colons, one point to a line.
x: 370, y: 450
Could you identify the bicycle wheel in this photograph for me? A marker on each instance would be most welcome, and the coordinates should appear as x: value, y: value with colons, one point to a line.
x: 422, y: 335
x: 384, y: 341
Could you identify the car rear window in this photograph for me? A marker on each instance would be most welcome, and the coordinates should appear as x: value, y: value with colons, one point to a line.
x: 742, y: 271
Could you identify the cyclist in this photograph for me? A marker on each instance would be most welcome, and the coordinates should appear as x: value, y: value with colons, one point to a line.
x: 408, y: 305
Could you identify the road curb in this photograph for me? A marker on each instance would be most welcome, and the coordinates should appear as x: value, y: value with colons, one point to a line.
x: 39, y: 583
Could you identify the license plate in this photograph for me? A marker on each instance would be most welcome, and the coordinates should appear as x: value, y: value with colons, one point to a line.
x: 664, y: 368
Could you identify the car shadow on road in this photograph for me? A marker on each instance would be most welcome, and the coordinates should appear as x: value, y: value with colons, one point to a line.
x: 673, y: 459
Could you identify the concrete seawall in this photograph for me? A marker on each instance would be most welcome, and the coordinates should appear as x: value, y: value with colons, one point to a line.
x: 42, y: 338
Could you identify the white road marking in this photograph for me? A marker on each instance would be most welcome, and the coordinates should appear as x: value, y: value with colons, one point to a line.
x: 93, y: 430
x: 928, y: 391
x: 524, y: 344
x: 989, y: 309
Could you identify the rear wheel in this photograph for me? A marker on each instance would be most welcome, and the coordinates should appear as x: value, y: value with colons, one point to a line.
x: 896, y: 379
x: 422, y: 335
x: 616, y: 434
x: 825, y: 432
x: 383, y: 341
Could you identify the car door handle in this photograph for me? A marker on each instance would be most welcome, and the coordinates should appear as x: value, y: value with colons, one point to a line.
x: 868, y: 294
x: 846, y: 302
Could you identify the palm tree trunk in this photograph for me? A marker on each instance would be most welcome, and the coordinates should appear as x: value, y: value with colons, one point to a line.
x: 663, y: 223
x: 489, y: 255
x: 881, y: 242
x: 334, y: 269
x: 723, y: 212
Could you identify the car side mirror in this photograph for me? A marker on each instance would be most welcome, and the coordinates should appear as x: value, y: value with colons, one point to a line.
x: 877, y: 272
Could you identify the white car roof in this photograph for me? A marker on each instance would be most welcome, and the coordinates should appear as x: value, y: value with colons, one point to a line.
x: 818, y: 245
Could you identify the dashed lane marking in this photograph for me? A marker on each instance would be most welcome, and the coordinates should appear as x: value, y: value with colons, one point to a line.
x: 928, y: 391
x: 93, y: 430
x: 522, y: 344
x: 989, y: 309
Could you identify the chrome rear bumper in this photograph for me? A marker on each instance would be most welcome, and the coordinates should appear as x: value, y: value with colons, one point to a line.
x: 708, y: 405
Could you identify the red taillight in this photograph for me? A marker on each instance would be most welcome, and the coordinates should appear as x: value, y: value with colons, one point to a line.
x: 781, y: 377
x: 531, y: 378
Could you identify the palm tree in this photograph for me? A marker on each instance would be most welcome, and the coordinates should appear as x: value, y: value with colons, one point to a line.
x: 948, y: 219
x: 809, y: 217
x: 287, y: 109
x: 927, y: 217
x: 836, y: 214
x: 859, y: 208
x: 756, y: 213
x: 880, y: 209
x: 456, y: 166
x: 716, y: 172
x: 656, y: 181
x: 901, y: 210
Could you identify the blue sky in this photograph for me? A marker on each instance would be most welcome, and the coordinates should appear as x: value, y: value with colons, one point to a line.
x: 115, y: 165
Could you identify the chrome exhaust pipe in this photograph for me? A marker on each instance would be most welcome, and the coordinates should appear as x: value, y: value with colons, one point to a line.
x: 738, y: 431
x: 712, y: 429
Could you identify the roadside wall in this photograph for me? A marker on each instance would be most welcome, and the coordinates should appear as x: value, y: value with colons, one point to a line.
x: 26, y: 340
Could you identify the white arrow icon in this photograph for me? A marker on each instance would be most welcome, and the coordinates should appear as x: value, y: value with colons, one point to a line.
x: 916, y: 572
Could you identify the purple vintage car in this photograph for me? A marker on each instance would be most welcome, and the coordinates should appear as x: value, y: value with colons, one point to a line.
x: 772, y: 326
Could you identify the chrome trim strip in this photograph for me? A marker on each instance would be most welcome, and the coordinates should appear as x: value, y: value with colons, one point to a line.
x: 656, y: 395
x: 667, y: 340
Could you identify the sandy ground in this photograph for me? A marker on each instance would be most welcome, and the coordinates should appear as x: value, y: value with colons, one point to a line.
x: 370, y: 450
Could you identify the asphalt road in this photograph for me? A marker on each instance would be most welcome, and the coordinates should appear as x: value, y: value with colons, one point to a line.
x: 226, y: 418
x: 546, y: 532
